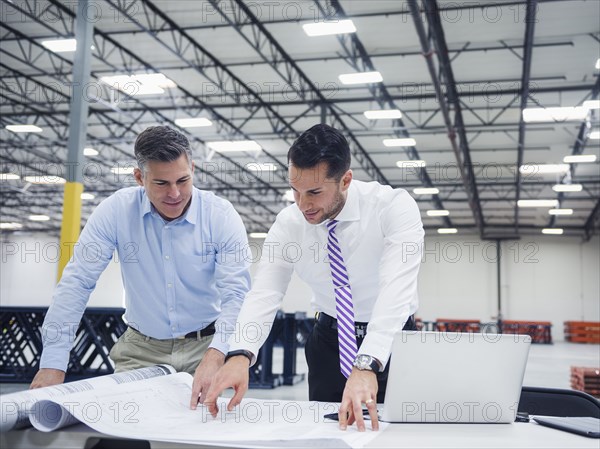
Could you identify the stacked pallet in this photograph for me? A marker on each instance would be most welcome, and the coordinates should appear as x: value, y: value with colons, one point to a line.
x: 586, y: 380
x: 540, y: 331
x: 451, y: 325
x: 582, y: 331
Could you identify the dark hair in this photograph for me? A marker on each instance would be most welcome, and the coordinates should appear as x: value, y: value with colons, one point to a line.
x: 321, y: 143
x: 160, y: 143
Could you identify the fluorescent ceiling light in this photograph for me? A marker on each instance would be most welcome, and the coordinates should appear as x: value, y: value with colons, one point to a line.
x: 329, y: 28
x: 540, y: 169
x: 598, y: 64
x: 595, y: 135
x: 537, y: 203
x: 361, y: 78
x: 447, y: 231
x: 554, y: 114
x: 438, y: 213
x: 88, y: 151
x: 258, y: 235
x: 11, y: 225
x: 255, y: 166
x: 567, y: 187
x: 45, y: 179
x: 289, y: 196
x: 560, y: 211
x: 426, y: 191
x: 409, y: 142
x: 122, y: 170
x: 87, y: 196
x: 591, y: 104
x: 60, y: 45
x: 140, y: 84
x: 193, y: 122
x: 577, y: 159
x: 411, y: 164
x: 9, y: 177
x: 24, y: 128
x: 554, y: 231
x: 234, y: 145
x: 383, y: 114
x: 39, y: 217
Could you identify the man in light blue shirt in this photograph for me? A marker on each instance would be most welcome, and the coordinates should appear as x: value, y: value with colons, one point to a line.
x: 182, y: 253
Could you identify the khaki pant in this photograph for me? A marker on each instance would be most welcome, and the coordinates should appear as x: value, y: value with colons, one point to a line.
x: 134, y: 350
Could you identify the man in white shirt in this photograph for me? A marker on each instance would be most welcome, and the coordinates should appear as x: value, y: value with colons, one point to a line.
x: 375, y: 253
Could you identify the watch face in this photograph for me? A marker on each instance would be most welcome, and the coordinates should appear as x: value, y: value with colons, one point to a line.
x: 363, y: 362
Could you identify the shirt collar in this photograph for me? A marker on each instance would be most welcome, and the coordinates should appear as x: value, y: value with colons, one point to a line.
x: 189, y: 216
x: 350, y: 211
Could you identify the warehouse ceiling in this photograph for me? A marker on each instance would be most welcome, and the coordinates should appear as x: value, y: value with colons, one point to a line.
x: 460, y: 73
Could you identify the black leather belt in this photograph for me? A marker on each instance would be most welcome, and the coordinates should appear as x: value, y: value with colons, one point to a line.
x: 361, y: 328
x: 328, y: 321
x: 207, y: 331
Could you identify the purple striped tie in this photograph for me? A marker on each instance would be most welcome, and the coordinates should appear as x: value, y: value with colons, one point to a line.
x: 343, y: 302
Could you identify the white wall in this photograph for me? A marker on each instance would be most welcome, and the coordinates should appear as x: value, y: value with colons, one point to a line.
x: 545, y: 278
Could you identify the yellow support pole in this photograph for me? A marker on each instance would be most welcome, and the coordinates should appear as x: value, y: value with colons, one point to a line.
x: 71, y: 223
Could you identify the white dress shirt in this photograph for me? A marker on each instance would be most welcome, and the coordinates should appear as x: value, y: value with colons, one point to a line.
x: 381, y: 237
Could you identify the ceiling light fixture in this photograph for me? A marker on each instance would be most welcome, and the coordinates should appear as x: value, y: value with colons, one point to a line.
x: 411, y: 164
x: 257, y: 235
x: 24, y: 128
x: 552, y: 231
x: 139, y: 84
x: 438, y: 213
x: 383, y: 114
x: 537, y: 203
x: 44, y: 179
x: 594, y: 135
x: 9, y: 177
x: 329, y: 28
x: 408, y: 142
x: 196, y: 122
x: 60, y: 45
x: 10, y: 225
x: 87, y: 196
x: 234, y: 145
x: 88, y: 151
x: 591, y: 104
x: 122, y: 170
x: 580, y: 158
x: 39, y: 217
x: 447, y: 231
x: 426, y: 191
x: 531, y: 115
x: 560, y: 211
x: 567, y: 187
x: 255, y: 166
x: 361, y: 78
x: 543, y: 169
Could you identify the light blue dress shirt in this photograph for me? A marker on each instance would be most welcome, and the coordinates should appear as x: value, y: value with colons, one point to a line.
x: 179, y: 276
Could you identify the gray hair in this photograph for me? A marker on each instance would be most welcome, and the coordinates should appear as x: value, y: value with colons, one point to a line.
x: 160, y: 143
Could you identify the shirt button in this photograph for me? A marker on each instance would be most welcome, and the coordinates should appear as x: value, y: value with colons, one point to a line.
x: 173, y: 328
x: 169, y: 285
x: 167, y: 257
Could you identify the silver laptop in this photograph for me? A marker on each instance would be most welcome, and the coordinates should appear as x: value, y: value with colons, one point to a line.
x: 449, y: 377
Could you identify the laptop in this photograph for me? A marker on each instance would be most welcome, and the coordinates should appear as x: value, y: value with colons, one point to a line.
x: 448, y: 377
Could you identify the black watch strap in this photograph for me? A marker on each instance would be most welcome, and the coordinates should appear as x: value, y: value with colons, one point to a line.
x: 243, y: 352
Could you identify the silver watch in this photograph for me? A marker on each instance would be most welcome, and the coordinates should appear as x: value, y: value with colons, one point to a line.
x: 366, y: 362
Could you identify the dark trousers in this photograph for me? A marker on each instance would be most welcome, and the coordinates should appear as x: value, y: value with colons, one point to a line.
x: 325, y: 381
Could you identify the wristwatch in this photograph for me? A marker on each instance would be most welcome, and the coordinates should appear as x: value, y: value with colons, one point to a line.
x: 243, y: 352
x: 366, y: 362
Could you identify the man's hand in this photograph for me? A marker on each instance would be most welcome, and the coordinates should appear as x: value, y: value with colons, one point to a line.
x: 361, y: 388
x: 233, y: 374
x: 211, y: 362
x: 47, y: 377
